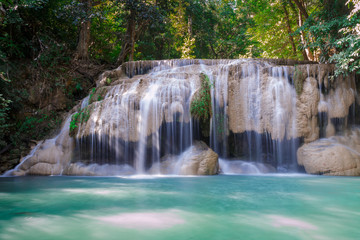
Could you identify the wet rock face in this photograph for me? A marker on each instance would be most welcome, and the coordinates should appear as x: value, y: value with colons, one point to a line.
x: 262, y: 99
x: 265, y: 99
x: 145, y: 102
x: 307, y: 110
x: 338, y: 155
x: 255, y: 95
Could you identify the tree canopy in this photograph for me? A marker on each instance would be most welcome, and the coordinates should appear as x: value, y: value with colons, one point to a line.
x: 120, y: 30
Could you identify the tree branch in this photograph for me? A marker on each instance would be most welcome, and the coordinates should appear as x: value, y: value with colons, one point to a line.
x: 289, y: 28
x: 301, y: 8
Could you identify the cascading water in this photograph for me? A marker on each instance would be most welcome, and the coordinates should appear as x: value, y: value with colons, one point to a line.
x: 252, y: 104
x: 166, y: 98
x: 219, y: 121
x: 266, y: 118
x: 138, y: 119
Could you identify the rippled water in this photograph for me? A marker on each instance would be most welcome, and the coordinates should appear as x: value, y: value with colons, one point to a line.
x: 217, y: 207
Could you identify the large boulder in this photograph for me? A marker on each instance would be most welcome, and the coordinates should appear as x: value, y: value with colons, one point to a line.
x: 199, y: 159
x: 338, y: 155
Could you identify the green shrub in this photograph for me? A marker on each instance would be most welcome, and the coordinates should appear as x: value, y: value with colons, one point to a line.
x: 36, y: 127
x: 74, y: 121
x: 4, y: 124
x: 201, y: 105
x: 299, y: 79
x: 79, y: 118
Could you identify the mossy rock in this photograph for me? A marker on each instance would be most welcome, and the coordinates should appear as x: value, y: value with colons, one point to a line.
x: 97, y: 94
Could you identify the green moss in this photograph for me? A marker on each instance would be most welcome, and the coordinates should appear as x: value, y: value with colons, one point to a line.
x: 201, y: 106
x: 91, y: 94
x: 108, y: 81
x: 299, y: 79
x: 220, y: 119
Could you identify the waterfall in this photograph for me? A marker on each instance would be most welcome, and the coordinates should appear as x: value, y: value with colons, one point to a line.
x: 219, y: 93
x: 265, y: 106
x: 138, y: 119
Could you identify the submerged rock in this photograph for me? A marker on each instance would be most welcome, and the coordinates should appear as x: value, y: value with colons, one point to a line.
x: 337, y: 155
x: 245, y: 167
x: 166, y: 166
x: 80, y: 169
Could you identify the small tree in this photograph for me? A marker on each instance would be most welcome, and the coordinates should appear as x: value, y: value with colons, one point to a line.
x: 187, y: 50
x: 348, y: 58
x: 141, y: 14
x: 82, y: 50
x: 4, y: 108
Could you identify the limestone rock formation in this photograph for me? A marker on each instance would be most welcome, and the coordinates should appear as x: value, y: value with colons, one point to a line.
x: 285, y: 101
x: 140, y: 112
x: 307, y: 103
x: 108, y: 77
x: 141, y: 101
x: 338, y: 155
x: 49, y: 157
x: 256, y: 95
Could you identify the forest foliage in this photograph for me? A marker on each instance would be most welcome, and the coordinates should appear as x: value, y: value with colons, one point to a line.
x: 49, y: 33
x: 121, y: 30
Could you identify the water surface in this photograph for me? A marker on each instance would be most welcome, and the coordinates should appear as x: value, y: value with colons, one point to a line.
x: 216, y: 207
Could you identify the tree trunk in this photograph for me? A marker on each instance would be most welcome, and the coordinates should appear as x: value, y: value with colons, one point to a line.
x: 82, y: 50
x: 133, y: 32
x: 302, y: 8
x: 132, y: 42
x: 125, y: 50
x: 128, y: 44
x: 189, y: 26
x: 213, y: 50
x: 306, y: 52
x: 2, y: 13
x: 291, y: 39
